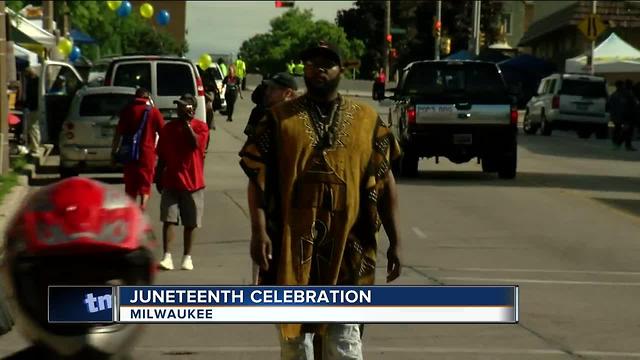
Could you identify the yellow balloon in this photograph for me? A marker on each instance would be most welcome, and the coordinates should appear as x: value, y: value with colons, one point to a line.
x: 146, y: 10
x: 114, y: 5
x: 205, y: 61
x: 65, y: 46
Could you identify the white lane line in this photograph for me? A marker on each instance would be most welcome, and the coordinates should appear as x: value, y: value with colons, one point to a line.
x: 536, y: 281
x: 587, y: 272
x: 419, y: 232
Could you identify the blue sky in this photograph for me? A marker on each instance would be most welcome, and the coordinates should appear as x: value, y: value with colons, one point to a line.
x: 222, y: 26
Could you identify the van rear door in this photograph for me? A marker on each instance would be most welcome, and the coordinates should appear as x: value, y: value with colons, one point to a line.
x: 174, y: 79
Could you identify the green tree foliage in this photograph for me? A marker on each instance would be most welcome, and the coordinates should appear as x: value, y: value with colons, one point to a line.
x: 291, y: 33
x: 365, y: 21
x: 114, y: 35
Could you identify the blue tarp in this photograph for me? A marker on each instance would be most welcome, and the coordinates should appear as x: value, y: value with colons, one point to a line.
x: 529, y: 64
x: 461, y: 55
x: 81, y: 38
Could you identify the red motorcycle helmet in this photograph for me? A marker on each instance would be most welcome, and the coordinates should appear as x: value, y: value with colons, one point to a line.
x: 75, y: 232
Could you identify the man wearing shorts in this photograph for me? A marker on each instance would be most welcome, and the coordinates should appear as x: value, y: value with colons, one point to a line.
x: 180, y: 177
x: 138, y: 174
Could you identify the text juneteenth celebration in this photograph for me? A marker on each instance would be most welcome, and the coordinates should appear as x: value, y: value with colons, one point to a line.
x: 237, y: 296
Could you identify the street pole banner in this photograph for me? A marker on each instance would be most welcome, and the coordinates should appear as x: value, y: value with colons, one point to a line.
x: 279, y: 304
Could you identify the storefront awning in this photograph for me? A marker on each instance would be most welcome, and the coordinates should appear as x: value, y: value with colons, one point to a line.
x: 24, y: 31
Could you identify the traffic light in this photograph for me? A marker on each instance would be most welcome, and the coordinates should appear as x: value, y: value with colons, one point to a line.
x: 445, y: 46
x: 389, y: 38
x: 437, y: 27
x: 284, y: 4
x: 483, y: 39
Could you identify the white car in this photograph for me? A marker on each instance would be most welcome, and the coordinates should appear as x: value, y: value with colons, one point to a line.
x: 88, y: 131
x: 569, y: 102
x: 166, y: 77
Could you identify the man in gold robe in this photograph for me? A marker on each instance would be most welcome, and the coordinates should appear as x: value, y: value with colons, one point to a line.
x: 320, y: 187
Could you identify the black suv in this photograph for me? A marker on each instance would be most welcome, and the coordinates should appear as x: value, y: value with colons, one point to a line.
x: 458, y: 110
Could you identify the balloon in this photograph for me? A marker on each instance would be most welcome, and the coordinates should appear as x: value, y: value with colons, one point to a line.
x: 65, y: 46
x: 146, y: 10
x: 163, y: 18
x: 124, y: 9
x: 113, y: 5
x: 205, y: 61
x: 75, y: 54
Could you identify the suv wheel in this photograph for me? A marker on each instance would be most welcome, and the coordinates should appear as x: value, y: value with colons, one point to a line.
x: 584, y: 133
x: 545, y: 128
x: 602, y: 132
x: 489, y: 164
x: 508, y: 165
x: 527, y: 126
x: 67, y: 172
x: 409, y: 165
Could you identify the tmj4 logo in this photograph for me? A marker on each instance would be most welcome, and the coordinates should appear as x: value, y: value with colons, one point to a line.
x: 100, y: 303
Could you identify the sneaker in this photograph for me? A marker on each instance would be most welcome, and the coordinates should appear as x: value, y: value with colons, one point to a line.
x: 187, y: 264
x: 166, y: 263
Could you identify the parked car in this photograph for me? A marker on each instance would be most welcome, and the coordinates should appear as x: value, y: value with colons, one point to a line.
x: 569, y: 102
x: 88, y: 131
x: 166, y: 77
x: 458, y: 110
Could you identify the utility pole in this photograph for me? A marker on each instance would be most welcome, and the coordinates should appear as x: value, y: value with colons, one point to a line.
x: 65, y: 23
x: 4, y: 99
x: 439, y: 31
x: 387, y: 31
x: 592, y: 69
x: 47, y: 14
x: 476, y: 27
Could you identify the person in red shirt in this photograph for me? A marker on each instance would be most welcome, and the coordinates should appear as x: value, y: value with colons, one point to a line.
x: 180, y: 177
x: 138, y: 174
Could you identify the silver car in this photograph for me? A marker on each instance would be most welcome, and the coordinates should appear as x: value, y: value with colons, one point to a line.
x: 87, y: 133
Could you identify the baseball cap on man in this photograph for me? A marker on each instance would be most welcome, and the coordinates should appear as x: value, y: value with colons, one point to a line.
x: 187, y: 99
x: 283, y: 79
x: 323, y: 49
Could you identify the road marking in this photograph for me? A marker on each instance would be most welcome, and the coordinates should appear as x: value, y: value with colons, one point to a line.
x: 391, y: 349
x: 536, y: 281
x: 419, y: 232
x: 556, y: 271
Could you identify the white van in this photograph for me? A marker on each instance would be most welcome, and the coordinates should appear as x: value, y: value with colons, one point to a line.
x: 166, y: 77
x: 569, y: 102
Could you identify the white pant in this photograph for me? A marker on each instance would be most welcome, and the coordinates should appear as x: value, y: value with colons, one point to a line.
x: 340, y: 342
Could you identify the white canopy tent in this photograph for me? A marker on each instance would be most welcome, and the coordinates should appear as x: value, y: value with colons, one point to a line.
x: 28, y: 32
x: 612, y: 56
x: 25, y: 54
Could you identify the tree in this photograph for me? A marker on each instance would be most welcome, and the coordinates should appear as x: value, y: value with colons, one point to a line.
x: 113, y: 35
x: 365, y: 21
x: 290, y: 33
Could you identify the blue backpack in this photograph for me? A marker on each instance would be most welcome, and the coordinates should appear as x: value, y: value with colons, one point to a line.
x: 130, y: 146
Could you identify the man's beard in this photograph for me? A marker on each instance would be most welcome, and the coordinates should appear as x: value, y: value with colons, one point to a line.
x: 324, y: 90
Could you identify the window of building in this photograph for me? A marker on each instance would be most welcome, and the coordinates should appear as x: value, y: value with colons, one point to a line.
x: 506, y: 22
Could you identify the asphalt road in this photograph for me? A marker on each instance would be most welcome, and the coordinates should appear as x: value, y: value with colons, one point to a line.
x: 565, y: 230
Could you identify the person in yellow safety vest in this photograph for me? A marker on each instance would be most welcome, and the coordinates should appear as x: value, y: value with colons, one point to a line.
x: 241, y: 72
x: 222, y: 66
x: 299, y: 70
x: 291, y: 67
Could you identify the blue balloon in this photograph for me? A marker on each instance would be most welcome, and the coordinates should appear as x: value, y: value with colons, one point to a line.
x: 163, y: 18
x: 124, y: 9
x: 75, y: 54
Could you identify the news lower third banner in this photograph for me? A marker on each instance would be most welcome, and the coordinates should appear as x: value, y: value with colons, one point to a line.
x: 275, y: 304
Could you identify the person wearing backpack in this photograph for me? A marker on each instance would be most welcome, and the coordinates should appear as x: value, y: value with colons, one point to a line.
x: 134, y: 145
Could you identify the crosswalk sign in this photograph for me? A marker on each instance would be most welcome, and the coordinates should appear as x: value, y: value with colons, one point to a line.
x: 592, y: 26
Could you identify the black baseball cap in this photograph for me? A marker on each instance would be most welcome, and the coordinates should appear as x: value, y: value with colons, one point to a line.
x: 324, y: 49
x: 187, y: 99
x: 283, y: 79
